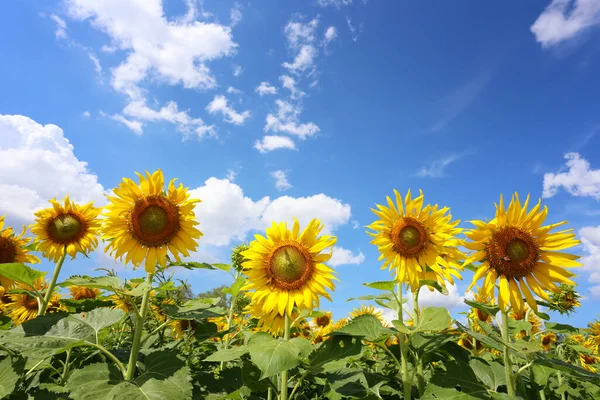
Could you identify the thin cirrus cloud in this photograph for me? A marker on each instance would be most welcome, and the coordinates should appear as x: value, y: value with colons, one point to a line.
x: 564, y: 20
x: 281, y: 180
x: 437, y: 169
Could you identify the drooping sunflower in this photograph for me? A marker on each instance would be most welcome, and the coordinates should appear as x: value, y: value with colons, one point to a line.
x: 22, y: 307
x: 547, y: 340
x: 515, y: 249
x: 69, y: 228
x: 146, y: 222
x: 83, y: 293
x: 286, y: 270
x: 13, y: 247
x: 417, y: 242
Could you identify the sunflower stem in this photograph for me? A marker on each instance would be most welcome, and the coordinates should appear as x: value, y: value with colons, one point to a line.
x: 406, y: 383
x: 139, y: 329
x: 563, y: 395
x: 510, y: 385
x: 230, y: 316
x: 283, y: 394
x: 419, y: 361
x: 46, y: 301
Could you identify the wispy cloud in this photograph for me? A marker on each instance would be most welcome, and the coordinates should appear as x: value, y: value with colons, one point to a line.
x: 437, y: 169
x: 460, y: 99
x: 281, y: 180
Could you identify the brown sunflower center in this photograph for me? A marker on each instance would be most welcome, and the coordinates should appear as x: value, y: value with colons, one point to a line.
x: 30, y: 303
x: 8, y: 251
x: 546, y: 340
x: 154, y: 221
x: 66, y: 228
x: 289, y: 266
x: 323, y: 320
x: 409, y: 237
x: 512, y: 252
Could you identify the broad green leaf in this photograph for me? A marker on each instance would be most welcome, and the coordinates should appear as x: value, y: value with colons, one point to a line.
x: 541, y: 374
x: 367, y: 326
x: 85, y: 305
x: 432, y: 319
x: 227, y: 354
x: 20, y: 273
x: 458, y: 381
x: 110, y: 283
x: 272, y: 355
x: 10, y: 373
x: 167, y: 286
x: 381, y: 285
x: 194, y: 309
x: 234, y: 289
x: 433, y: 284
x: 560, y: 328
x: 426, y: 343
x: 99, y: 318
x: 191, y: 265
x: 492, y: 310
x: 339, y: 347
x: 222, y: 267
x: 5, y: 322
x: 490, y: 373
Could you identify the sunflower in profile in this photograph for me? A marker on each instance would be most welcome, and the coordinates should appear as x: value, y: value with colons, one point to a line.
x: 516, y: 250
x: 22, y: 307
x: 84, y: 293
x: 417, y: 242
x: 180, y: 328
x: 367, y: 310
x: 286, y: 270
x: 66, y: 228
x: 13, y: 248
x: 145, y: 222
x: 547, y: 340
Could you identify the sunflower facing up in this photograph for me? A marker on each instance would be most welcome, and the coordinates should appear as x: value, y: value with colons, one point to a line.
x: 22, y: 307
x: 417, y: 242
x: 286, y: 270
x: 13, y: 247
x: 515, y: 249
x: 145, y: 222
x: 68, y: 228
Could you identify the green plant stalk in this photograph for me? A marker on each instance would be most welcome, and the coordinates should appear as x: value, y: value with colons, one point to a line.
x: 542, y: 395
x: 419, y: 361
x: 406, y: 382
x: 270, y: 394
x: 139, y: 329
x: 283, y: 393
x: 510, y: 385
x: 563, y: 395
x: 46, y: 300
x: 108, y: 355
x: 297, y: 386
x: 230, y: 316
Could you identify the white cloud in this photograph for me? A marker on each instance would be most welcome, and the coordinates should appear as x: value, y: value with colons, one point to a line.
x: 281, y: 180
x: 232, y: 90
x: 226, y: 215
x: 434, y: 298
x: 335, y: 3
x: 38, y: 164
x: 136, y: 126
x: 175, y: 52
x: 304, y: 60
x: 96, y: 61
x: 274, y: 142
x: 237, y: 70
x: 219, y: 105
x: 235, y: 15
x: 355, y: 224
x: 330, y: 35
x: 61, y: 27
x: 578, y: 180
x: 108, y: 49
x: 590, y: 238
x: 565, y: 19
x: 300, y: 37
x: 265, y: 88
x: 343, y: 256
x: 355, y: 31
x: 189, y: 126
x: 438, y: 167
x: 231, y: 174
x: 86, y: 114
x: 290, y: 83
x: 287, y: 121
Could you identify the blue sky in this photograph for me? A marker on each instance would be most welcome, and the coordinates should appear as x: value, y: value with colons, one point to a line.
x: 318, y: 108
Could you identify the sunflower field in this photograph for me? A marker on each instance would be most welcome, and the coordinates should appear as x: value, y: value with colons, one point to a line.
x: 101, y: 337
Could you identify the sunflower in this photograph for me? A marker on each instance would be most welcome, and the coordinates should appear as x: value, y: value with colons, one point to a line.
x: 547, y: 340
x: 532, y: 318
x: 286, y: 268
x: 587, y: 362
x: 323, y: 320
x: 367, y: 310
x: 145, y: 222
x: 69, y: 228
x: 467, y: 342
x: 180, y: 328
x: 272, y: 322
x: 158, y: 307
x: 22, y: 307
x: 82, y: 292
x: 13, y: 249
x: 417, y: 242
x: 523, y: 255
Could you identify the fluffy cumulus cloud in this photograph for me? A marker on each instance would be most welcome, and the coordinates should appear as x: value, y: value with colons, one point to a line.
x: 227, y: 215
x: 342, y: 256
x: 281, y: 180
x: 274, y: 142
x: 577, y: 178
x: 590, y: 238
x: 220, y: 105
x: 38, y: 164
x: 301, y: 37
x: 286, y: 120
x: 330, y: 35
x: 265, y: 88
x: 289, y: 83
x: 565, y: 19
x: 427, y: 298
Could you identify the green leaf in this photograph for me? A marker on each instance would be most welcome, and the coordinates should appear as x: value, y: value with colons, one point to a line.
x: 165, y: 377
x: 20, y: 273
x: 272, y: 355
x: 541, y: 374
x: 222, y: 267
x: 560, y: 328
x: 492, y: 310
x: 227, y: 354
x: 234, y: 289
x: 381, y: 285
x: 110, y: 283
x: 458, y: 381
x: 10, y: 373
x: 339, y: 347
x: 194, y: 309
x: 86, y: 304
x: 191, y: 265
x: 490, y: 373
x: 5, y: 322
x: 432, y: 319
x: 367, y: 326
x: 433, y: 284
x: 99, y: 318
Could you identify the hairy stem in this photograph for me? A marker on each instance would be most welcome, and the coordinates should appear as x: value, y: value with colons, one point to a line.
x: 510, y: 385
x: 44, y: 307
x: 283, y: 395
x: 139, y: 329
x: 406, y: 381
